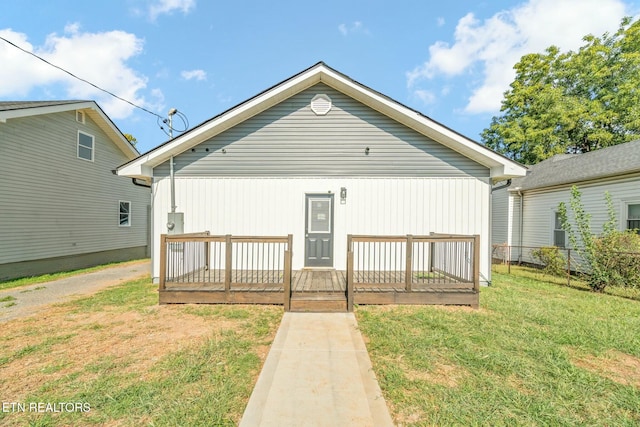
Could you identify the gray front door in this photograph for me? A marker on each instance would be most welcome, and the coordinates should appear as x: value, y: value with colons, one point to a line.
x: 319, y: 230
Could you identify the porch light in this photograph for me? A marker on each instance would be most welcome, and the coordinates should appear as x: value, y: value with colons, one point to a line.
x: 343, y: 195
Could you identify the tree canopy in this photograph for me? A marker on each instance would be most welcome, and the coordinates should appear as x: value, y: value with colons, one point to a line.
x: 572, y: 102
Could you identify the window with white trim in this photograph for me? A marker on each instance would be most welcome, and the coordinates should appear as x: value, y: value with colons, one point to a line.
x: 633, y: 217
x: 85, y: 146
x: 559, y: 235
x: 124, y: 213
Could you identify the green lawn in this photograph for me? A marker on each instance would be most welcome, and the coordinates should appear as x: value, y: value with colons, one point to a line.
x: 534, y: 354
x: 131, y: 362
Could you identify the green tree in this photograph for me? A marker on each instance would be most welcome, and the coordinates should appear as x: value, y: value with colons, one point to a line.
x: 132, y: 139
x: 572, y: 102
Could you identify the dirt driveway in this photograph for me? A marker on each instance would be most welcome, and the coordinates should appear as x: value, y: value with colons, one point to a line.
x: 33, y: 298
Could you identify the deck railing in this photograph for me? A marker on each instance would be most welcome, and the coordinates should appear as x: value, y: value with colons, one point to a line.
x: 433, y: 261
x: 228, y: 261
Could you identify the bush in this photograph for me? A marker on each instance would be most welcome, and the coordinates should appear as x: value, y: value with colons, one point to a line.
x: 550, y: 257
x: 619, y: 255
x: 613, y: 258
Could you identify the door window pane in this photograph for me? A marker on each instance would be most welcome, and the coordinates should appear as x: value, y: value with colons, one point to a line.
x: 319, y: 215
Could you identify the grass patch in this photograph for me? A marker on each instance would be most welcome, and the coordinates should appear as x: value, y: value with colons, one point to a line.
x: 632, y: 292
x: 534, y: 354
x: 134, y: 295
x: 135, y: 362
x: 25, y: 281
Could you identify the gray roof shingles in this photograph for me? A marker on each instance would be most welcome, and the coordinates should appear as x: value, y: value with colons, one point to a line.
x: 562, y: 169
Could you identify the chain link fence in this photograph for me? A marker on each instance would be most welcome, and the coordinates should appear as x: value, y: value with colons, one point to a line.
x: 563, y: 265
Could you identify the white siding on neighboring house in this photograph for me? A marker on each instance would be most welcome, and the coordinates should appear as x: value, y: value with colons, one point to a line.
x: 539, y: 207
x: 275, y: 206
x: 55, y: 204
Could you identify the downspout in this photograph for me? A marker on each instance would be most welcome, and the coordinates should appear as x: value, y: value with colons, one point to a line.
x: 500, y: 187
x: 520, y: 227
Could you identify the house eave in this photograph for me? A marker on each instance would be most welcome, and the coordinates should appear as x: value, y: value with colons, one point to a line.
x: 603, y: 179
x: 90, y: 108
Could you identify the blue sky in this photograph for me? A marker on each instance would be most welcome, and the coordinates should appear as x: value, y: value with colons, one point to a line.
x: 449, y: 60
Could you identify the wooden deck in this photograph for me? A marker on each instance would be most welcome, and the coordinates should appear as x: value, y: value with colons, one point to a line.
x: 318, y: 290
x: 434, y: 269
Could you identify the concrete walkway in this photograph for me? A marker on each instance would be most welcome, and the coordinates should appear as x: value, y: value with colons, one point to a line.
x: 317, y: 373
x: 33, y: 298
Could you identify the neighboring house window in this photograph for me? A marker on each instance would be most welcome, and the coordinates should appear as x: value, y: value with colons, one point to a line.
x: 125, y: 213
x: 558, y: 232
x: 633, y: 217
x: 85, y: 146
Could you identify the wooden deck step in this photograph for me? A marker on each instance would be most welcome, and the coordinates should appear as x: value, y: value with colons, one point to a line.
x: 319, y: 302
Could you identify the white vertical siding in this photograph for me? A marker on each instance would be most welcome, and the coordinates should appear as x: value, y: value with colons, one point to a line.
x: 276, y: 206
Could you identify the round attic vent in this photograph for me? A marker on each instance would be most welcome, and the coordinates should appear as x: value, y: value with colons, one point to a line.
x: 321, y: 104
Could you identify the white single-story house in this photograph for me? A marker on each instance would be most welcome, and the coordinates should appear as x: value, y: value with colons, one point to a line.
x: 63, y: 207
x: 321, y: 156
x: 525, y: 213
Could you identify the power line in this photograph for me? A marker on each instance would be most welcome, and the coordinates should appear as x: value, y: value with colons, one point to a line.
x: 81, y: 79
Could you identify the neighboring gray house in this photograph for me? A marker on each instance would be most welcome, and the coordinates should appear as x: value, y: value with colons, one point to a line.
x: 63, y: 207
x: 526, y: 212
x: 321, y: 156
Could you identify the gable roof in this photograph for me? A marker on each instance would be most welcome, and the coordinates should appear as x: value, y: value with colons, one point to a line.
x: 565, y: 169
x: 15, y: 109
x: 500, y: 166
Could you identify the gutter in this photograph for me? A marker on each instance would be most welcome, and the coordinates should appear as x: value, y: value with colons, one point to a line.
x: 135, y: 182
x: 508, y: 183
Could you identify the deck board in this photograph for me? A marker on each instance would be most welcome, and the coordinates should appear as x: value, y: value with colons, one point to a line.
x: 254, y: 287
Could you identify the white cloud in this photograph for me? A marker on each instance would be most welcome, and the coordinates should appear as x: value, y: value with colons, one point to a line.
x: 194, y: 74
x: 167, y: 7
x: 440, y: 21
x: 425, y: 96
x: 495, y: 45
x: 354, y: 28
x: 96, y: 57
